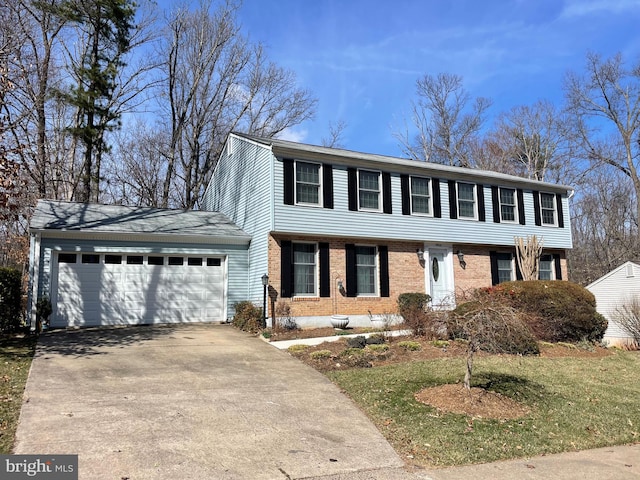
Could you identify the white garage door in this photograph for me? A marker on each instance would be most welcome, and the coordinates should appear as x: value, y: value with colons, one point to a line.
x: 121, y: 289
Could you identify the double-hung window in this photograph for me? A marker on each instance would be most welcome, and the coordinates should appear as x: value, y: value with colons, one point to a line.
x: 505, y: 267
x: 304, y: 269
x: 508, y: 208
x: 369, y: 190
x: 366, y: 270
x: 548, y: 208
x: 308, y: 186
x: 420, y: 196
x: 466, y: 200
x: 545, y: 268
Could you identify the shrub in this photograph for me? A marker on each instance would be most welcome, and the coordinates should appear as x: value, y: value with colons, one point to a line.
x: 320, y: 354
x: 297, y: 348
x: 378, y: 348
x: 410, y: 346
x: 248, y: 317
x: 556, y: 311
x: 283, y: 319
x: 10, y: 299
x: 415, y: 311
x: 43, y: 312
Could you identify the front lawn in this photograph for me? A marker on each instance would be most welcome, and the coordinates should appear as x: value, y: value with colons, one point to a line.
x: 574, y: 403
x: 16, y: 353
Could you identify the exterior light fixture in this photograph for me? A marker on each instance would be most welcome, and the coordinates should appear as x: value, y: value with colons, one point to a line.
x: 463, y: 264
x: 265, y: 282
x: 420, y: 255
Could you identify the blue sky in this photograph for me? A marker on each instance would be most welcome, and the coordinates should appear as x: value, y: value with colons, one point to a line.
x: 361, y: 58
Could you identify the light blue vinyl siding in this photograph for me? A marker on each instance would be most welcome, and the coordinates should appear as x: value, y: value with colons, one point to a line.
x: 241, y: 189
x: 341, y: 222
x: 236, y: 260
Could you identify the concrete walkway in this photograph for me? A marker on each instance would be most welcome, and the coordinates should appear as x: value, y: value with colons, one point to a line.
x: 210, y: 402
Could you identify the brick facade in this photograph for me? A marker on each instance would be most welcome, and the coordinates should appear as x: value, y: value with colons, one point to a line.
x: 406, y: 274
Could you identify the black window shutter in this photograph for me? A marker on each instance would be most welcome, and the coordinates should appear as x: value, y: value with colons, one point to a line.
x: 327, y: 185
x: 536, y: 207
x: 518, y: 271
x: 437, y: 204
x: 406, y: 195
x: 352, y: 186
x: 350, y: 255
x: 521, y: 216
x: 453, y: 200
x: 493, y: 258
x: 286, y: 269
x: 386, y: 192
x: 325, y: 275
x: 495, y: 201
x: 557, y: 265
x: 481, y: 211
x: 559, y: 209
x: 289, y: 187
x: 383, y: 253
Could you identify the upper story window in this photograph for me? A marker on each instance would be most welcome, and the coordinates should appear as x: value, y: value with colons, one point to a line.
x: 466, y: 200
x: 508, y: 206
x: 548, y: 208
x: 420, y: 196
x: 304, y: 268
x: 545, y: 268
x: 369, y: 190
x: 366, y: 270
x: 308, y: 186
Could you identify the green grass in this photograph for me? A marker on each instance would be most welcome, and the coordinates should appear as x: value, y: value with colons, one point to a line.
x: 577, y: 403
x: 15, y: 360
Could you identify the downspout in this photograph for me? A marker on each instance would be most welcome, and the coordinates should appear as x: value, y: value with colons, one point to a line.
x: 34, y: 276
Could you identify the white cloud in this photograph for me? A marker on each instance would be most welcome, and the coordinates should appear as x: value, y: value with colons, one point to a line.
x: 293, y: 135
x: 581, y: 8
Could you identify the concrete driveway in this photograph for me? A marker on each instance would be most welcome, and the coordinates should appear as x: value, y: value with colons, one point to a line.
x: 203, y: 401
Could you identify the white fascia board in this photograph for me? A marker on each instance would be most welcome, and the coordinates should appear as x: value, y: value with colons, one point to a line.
x: 141, y: 237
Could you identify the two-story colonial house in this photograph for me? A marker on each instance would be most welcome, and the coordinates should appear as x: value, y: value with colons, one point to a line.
x: 342, y: 232
x: 336, y: 231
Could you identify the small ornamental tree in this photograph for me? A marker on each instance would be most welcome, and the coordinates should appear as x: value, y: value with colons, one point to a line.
x: 491, y: 325
x: 628, y: 317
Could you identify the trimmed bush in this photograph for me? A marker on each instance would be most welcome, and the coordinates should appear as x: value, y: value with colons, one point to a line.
x: 318, y: 354
x: 10, y: 299
x: 556, y: 311
x: 248, y: 317
x: 410, y: 346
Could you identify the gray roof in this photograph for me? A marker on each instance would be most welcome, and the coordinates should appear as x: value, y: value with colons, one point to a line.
x: 294, y: 149
x: 115, y: 219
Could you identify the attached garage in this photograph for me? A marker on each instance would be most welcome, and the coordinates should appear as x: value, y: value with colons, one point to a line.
x: 113, y: 265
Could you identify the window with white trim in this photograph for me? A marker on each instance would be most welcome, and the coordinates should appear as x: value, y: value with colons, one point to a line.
x: 505, y: 267
x: 369, y: 190
x: 508, y: 206
x: 420, y: 196
x: 308, y: 186
x: 366, y: 270
x: 546, y: 268
x: 548, y: 208
x: 304, y: 269
x: 466, y: 200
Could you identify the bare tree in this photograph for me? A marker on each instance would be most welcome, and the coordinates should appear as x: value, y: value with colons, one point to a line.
x: 334, y: 139
x: 528, y: 255
x: 605, y: 104
x: 217, y: 82
x: 628, y: 318
x: 488, y: 323
x: 447, y: 119
x: 537, y: 141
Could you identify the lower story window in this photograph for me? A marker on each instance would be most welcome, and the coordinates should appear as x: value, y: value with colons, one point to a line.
x: 505, y: 267
x: 545, y: 268
x: 304, y: 269
x: 366, y: 270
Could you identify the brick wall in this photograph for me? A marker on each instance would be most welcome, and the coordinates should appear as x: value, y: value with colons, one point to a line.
x: 405, y: 275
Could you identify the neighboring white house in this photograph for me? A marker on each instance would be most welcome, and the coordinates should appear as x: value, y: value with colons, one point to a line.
x: 612, y: 291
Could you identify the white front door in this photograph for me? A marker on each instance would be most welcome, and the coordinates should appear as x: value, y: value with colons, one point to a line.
x: 440, y: 274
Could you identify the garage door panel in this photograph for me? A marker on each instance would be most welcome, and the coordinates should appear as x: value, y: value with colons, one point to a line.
x: 121, y: 294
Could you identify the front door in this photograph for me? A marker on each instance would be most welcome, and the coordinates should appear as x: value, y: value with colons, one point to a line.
x: 440, y: 278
